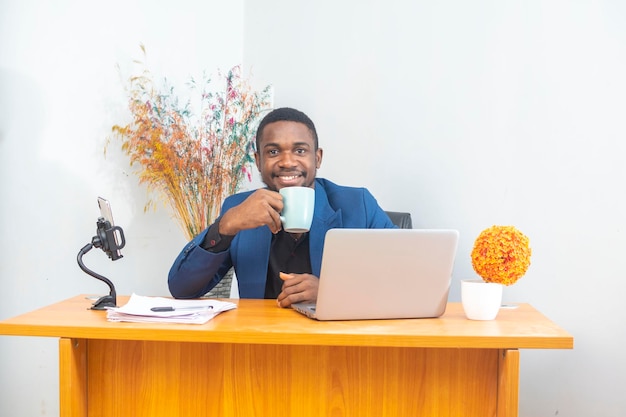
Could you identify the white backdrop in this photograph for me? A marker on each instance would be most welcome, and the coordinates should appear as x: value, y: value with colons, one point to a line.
x: 469, y: 114
x: 60, y: 94
x: 466, y: 114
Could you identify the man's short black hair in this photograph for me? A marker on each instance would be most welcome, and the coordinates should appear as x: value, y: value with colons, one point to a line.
x: 286, y: 114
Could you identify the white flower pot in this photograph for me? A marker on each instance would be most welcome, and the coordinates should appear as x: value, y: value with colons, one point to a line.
x: 481, y: 300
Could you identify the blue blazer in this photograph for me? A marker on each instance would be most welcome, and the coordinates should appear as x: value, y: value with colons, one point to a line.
x: 196, y: 271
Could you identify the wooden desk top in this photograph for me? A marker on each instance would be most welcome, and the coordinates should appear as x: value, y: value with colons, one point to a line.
x: 262, y: 322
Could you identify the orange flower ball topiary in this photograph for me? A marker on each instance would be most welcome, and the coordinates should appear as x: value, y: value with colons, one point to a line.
x: 501, y: 255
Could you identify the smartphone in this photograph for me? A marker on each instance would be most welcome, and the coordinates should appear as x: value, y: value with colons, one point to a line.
x: 107, y: 214
x: 105, y: 210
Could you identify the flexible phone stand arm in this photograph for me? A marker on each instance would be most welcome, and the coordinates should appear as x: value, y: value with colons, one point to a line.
x: 105, y: 239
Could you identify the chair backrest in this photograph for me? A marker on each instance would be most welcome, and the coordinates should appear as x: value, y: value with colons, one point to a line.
x: 400, y: 219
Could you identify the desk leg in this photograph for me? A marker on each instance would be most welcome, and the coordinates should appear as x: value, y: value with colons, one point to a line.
x: 73, y: 377
x: 508, y: 383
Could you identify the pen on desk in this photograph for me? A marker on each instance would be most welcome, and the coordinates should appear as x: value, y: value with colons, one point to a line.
x: 170, y: 308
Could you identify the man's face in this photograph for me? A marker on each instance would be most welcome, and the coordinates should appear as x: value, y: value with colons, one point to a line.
x: 287, y: 156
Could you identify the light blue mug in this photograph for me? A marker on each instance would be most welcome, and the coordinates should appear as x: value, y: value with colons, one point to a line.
x: 298, y: 206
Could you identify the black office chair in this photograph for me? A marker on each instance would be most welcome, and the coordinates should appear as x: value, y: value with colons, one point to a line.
x: 402, y: 220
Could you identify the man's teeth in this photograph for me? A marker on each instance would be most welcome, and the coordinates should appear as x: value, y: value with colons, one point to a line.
x: 291, y: 177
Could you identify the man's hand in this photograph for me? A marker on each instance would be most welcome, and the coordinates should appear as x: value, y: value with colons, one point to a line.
x: 261, y: 208
x: 297, y: 288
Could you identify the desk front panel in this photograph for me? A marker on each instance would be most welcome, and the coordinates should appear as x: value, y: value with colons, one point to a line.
x: 144, y: 378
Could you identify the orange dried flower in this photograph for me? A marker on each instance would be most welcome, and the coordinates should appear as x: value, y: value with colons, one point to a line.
x: 193, y: 161
x: 501, y: 254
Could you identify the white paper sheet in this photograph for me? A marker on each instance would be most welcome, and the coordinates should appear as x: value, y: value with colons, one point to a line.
x: 139, y: 310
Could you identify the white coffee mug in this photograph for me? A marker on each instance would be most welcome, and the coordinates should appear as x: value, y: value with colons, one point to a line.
x: 298, y: 206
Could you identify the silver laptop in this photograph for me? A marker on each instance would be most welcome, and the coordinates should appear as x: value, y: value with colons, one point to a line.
x: 384, y: 274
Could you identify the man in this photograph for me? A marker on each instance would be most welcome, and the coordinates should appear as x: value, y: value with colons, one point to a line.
x: 269, y: 262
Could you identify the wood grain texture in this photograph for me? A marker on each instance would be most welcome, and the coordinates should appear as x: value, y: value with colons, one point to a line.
x: 261, y: 360
x: 508, y: 382
x: 142, y: 378
x: 73, y: 377
x: 262, y: 322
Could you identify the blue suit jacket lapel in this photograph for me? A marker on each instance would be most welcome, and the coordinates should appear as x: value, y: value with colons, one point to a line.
x: 324, y: 219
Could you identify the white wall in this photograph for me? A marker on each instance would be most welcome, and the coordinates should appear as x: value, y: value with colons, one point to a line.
x: 60, y: 93
x: 469, y: 114
x: 466, y: 114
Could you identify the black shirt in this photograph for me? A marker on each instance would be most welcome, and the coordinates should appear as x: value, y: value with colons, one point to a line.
x: 287, y: 254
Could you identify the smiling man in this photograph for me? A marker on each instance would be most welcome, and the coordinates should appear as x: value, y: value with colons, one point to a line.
x: 269, y: 262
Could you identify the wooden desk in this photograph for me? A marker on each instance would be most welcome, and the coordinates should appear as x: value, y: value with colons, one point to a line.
x: 260, y: 360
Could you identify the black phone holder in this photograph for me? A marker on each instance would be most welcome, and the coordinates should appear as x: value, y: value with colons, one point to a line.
x: 105, y: 239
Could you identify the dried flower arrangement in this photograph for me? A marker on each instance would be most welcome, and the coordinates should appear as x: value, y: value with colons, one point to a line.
x: 192, y: 161
x: 501, y: 254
